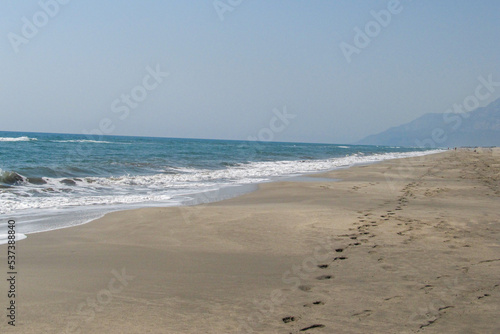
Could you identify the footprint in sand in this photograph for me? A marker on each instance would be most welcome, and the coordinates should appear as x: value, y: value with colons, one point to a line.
x: 311, y: 327
x: 305, y: 288
x: 426, y: 287
x: 393, y: 297
x: 363, y: 313
x: 318, y: 302
x: 485, y: 295
x: 324, y: 277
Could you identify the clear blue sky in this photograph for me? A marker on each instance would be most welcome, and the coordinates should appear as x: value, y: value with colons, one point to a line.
x: 227, y: 76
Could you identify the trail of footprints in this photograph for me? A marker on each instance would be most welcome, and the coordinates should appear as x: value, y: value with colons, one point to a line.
x: 366, y: 221
x: 362, y: 233
x: 316, y: 303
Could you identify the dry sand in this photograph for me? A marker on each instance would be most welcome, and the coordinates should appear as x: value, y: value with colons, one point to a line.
x: 403, y: 246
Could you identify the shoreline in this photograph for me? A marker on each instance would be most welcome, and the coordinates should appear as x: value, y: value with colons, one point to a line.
x: 196, y: 198
x: 394, y: 247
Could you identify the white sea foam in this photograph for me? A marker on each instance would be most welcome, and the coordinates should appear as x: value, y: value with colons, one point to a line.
x: 11, y: 204
x: 24, y: 138
x: 88, y: 141
x: 134, y: 189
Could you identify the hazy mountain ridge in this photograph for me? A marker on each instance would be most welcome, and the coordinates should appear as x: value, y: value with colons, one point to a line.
x: 480, y: 127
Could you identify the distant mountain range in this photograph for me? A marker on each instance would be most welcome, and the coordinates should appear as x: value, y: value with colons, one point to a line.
x: 480, y: 127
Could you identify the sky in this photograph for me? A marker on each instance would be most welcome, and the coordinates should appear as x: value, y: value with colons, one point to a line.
x: 303, y: 71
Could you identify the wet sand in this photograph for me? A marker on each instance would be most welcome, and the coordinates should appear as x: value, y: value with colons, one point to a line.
x: 403, y: 246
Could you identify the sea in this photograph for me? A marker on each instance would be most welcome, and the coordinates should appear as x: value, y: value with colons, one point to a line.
x: 51, y: 181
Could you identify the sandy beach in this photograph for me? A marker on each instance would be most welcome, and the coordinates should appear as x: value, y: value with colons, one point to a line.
x: 402, y: 246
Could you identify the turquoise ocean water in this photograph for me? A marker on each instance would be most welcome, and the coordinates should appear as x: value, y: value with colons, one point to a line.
x: 49, y: 181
